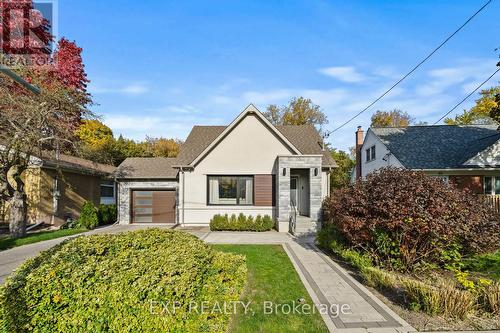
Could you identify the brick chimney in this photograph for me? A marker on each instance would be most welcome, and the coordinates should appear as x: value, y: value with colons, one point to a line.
x: 359, y: 143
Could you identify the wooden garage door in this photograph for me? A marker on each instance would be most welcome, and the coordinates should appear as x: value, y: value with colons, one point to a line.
x: 153, y: 206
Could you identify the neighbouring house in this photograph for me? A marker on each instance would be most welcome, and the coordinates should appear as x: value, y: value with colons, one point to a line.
x: 468, y: 156
x: 56, y: 188
x: 250, y: 167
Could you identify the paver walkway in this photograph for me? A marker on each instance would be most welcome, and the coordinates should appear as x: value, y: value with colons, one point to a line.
x: 328, y: 284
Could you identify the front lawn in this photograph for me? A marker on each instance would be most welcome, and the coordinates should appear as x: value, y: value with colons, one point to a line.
x: 8, y: 242
x: 271, y: 278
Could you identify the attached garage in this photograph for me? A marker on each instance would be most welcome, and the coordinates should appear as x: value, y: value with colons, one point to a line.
x: 153, y: 206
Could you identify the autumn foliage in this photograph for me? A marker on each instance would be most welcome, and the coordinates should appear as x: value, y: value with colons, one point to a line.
x: 406, y: 219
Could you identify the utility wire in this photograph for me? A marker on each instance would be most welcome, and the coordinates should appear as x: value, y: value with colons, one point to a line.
x: 466, y: 97
x: 412, y: 70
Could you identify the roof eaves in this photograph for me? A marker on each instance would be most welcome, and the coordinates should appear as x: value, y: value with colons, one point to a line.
x: 250, y: 109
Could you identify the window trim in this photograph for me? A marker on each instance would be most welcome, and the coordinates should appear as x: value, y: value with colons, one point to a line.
x: 112, y: 185
x: 369, y: 154
x: 237, y: 190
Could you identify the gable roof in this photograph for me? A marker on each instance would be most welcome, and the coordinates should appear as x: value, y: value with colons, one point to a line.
x: 438, y: 147
x: 305, y: 137
x: 147, y: 168
x: 249, y: 110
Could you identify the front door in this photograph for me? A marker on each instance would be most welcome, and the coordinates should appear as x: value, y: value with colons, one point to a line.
x: 294, y: 184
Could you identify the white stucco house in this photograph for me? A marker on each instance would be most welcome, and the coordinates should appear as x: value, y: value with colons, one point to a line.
x: 250, y: 167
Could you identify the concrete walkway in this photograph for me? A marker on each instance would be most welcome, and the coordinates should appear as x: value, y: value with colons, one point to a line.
x: 328, y: 284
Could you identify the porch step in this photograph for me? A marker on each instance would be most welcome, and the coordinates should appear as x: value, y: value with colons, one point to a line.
x: 305, y: 226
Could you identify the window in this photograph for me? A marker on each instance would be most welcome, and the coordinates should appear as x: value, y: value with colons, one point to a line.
x: 370, y: 154
x: 230, y: 190
x: 491, y: 185
x: 107, y: 189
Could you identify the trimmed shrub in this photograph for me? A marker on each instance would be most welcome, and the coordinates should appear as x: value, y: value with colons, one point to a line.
x: 88, y: 216
x: 107, y: 214
x: 407, y: 219
x: 241, y: 223
x: 123, y: 283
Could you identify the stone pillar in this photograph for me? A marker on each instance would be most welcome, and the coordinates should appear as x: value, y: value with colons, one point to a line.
x: 283, y: 197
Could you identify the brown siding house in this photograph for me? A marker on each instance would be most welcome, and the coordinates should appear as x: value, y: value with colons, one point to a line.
x: 57, y: 188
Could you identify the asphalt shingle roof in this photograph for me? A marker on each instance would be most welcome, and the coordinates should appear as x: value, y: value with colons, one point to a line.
x: 147, y: 168
x: 76, y: 163
x: 437, y: 147
x: 304, y: 137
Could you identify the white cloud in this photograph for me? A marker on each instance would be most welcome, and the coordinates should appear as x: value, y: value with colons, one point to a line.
x: 137, y: 88
x: 343, y: 73
x: 173, y: 126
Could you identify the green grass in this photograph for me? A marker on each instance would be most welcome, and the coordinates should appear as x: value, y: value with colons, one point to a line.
x: 271, y: 277
x: 488, y: 264
x: 7, y: 242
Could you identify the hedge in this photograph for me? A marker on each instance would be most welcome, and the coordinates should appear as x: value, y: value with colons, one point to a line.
x: 106, y: 214
x: 241, y: 223
x: 120, y: 283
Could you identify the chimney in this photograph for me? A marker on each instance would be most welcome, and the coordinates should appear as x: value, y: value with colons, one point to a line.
x: 359, y: 143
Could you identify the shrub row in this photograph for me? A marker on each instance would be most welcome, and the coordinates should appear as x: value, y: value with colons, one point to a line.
x: 443, y: 299
x: 121, y: 283
x: 406, y: 220
x: 241, y: 223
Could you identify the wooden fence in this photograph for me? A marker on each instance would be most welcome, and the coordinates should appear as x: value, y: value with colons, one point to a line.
x: 493, y: 200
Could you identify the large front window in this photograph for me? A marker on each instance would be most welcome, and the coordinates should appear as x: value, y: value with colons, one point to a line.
x: 230, y: 190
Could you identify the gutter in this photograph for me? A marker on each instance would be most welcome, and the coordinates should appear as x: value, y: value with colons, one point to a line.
x: 20, y: 80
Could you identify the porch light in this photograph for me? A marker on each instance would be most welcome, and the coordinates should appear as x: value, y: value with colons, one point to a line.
x: 315, y: 172
x: 284, y: 171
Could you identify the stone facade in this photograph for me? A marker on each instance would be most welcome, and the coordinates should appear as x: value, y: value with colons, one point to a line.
x: 311, y: 162
x: 124, y: 194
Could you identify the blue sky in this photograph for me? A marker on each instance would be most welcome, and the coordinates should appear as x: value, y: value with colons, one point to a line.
x: 159, y: 67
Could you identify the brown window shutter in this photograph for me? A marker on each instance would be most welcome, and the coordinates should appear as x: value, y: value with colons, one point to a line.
x: 264, y: 190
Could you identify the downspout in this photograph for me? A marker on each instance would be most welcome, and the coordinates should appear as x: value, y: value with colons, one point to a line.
x: 183, y: 195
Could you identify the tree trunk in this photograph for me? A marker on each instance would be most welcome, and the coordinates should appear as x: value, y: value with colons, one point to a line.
x: 17, y: 224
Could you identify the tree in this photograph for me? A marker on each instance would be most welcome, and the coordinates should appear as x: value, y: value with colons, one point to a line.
x: 341, y: 176
x: 480, y: 113
x: 393, y: 118
x: 299, y: 111
x: 94, y: 134
x: 33, y: 125
x: 97, y: 143
x: 30, y: 123
x: 161, y: 147
x: 495, y: 111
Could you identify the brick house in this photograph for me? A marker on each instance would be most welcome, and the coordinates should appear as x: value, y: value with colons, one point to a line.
x: 468, y: 156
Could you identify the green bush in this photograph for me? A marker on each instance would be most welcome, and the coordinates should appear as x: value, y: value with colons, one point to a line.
x: 107, y: 214
x: 121, y: 283
x: 88, y: 216
x: 241, y: 223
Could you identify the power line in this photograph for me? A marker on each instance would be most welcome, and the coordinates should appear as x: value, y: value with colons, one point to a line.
x: 466, y: 97
x: 412, y: 70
